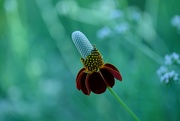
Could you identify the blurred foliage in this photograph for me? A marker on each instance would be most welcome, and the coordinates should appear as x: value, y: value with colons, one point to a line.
x: 39, y: 63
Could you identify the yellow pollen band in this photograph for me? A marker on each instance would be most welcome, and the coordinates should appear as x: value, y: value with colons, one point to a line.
x: 93, y: 62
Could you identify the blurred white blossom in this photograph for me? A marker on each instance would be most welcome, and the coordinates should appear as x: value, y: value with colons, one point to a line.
x: 168, y: 60
x: 175, y: 21
x: 136, y: 16
x: 173, y: 58
x: 162, y: 70
x: 166, y: 72
x: 103, y: 32
x: 122, y: 28
x: 167, y: 77
x: 121, y: 23
x: 116, y: 14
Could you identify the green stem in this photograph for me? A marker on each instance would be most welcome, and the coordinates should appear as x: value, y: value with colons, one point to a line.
x: 123, y: 104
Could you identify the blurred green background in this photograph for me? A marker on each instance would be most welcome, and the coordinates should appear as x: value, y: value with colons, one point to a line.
x: 39, y: 63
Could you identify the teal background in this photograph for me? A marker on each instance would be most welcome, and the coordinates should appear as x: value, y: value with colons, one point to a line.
x: 39, y: 63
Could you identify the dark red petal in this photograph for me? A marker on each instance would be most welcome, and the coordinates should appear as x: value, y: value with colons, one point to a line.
x: 108, y: 77
x: 78, y: 78
x: 114, y: 71
x: 83, y: 69
x: 81, y: 83
x: 96, y: 83
x: 87, y: 85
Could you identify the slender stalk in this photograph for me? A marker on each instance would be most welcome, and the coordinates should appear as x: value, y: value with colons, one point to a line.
x: 123, y: 104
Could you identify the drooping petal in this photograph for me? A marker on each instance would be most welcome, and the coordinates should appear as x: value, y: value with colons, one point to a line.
x: 78, y: 78
x: 114, y: 71
x: 81, y: 83
x: 87, y: 84
x: 108, y: 77
x: 96, y: 83
x: 84, y: 88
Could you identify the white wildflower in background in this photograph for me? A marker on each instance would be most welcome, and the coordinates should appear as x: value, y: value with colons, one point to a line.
x: 168, y: 76
x: 122, y: 23
x: 168, y: 60
x: 103, y: 32
x: 122, y: 28
x: 136, y: 16
x: 106, y: 31
x: 116, y: 14
x: 166, y: 72
x: 162, y: 70
x: 173, y: 58
x: 175, y: 21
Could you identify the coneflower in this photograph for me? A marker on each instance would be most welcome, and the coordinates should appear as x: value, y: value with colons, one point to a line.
x: 96, y: 75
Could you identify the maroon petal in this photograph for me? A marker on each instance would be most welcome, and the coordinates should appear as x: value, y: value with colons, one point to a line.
x: 96, y: 83
x: 81, y: 83
x: 108, y: 77
x: 114, y: 71
x: 83, y: 69
x: 87, y: 85
x: 78, y: 78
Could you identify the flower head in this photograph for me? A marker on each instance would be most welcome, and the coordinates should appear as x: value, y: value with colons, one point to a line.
x: 96, y: 75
